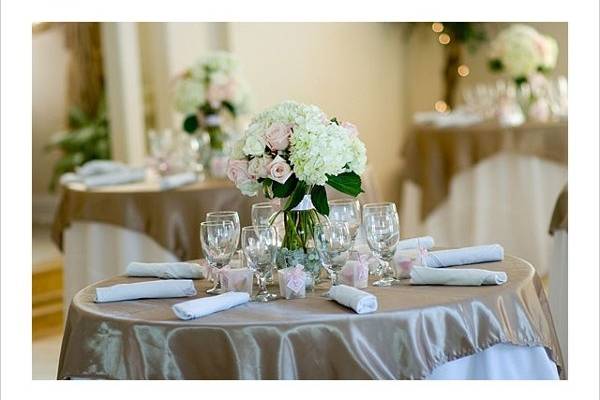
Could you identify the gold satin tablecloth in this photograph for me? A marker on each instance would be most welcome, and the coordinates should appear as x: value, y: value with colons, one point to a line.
x: 560, y: 215
x: 414, y: 330
x: 433, y: 156
x: 171, y: 217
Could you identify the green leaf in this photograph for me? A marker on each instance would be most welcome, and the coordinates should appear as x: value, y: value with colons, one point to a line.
x: 77, y: 118
x: 230, y: 107
x: 282, y: 190
x: 266, y: 185
x: 318, y: 196
x: 296, y: 196
x: 495, y: 65
x: 347, y: 182
x: 190, y: 124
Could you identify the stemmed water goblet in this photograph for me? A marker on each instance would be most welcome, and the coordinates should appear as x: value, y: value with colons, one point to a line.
x: 219, y: 242
x: 219, y: 216
x: 333, y: 242
x: 259, y: 244
x: 383, y: 233
x: 346, y: 210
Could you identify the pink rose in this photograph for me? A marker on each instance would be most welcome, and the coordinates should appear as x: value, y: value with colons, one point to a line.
x: 351, y: 129
x: 237, y: 171
x: 279, y: 170
x: 278, y: 136
x: 217, y: 93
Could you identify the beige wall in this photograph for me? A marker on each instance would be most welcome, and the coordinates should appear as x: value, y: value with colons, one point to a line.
x: 49, y: 101
x: 351, y: 70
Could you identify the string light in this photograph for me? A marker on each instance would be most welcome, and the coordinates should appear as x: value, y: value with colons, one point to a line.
x: 437, y: 27
x: 440, y: 106
x: 463, y: 70
x: 444, y: 38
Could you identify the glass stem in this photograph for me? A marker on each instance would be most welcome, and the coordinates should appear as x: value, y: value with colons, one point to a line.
x: 262, y: 284
x: 334, y: 277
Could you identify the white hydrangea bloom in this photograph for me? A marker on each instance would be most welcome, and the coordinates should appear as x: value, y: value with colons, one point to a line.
x: 318, y: 147
x: 249, y: 188
x: 189, y: 95
x: 522, y: 50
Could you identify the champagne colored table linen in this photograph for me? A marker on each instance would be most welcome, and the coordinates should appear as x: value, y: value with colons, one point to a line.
x: 171, y: 218
x: 560, y: 215
x: 414, y: 330
x: 433, y: 156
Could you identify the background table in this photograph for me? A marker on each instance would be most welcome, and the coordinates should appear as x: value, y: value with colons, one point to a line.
x: 559, y: 271
x: 485, y: 183
x: 102, y: 230
x: 496, y: 332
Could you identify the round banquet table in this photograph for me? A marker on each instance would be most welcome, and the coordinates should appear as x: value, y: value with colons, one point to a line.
x: 434, y: 332
x: 102, y: 230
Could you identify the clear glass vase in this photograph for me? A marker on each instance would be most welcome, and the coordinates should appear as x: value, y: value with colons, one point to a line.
x: 199, y: 146
x: 298, y: 246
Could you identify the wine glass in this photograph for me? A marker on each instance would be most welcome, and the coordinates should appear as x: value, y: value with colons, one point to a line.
x: 219, y: 216
x: 259, y: 244
x: 383, y: 233
x: 264, y: 214
x: 346, y: 210
x: 333, y: 242
x: 219, y: 241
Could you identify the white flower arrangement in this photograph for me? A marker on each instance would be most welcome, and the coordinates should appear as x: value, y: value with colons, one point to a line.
x: 521, y: 51
x: 292, y: 150
x: 210, y: 88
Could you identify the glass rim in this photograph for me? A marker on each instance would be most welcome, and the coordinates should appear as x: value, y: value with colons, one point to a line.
x: 344, y: 201
x: 253, y: 227
x: 379, y: 204
x: 210, y: 213
x: 264, y: 204
x: 215, y: 223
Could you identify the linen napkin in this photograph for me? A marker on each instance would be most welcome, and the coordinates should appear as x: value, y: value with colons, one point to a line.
x: 146, y: 290
x: 99, y: 167
x: 413, y: 243
x: 118, y: 177
x: 177, y: 180
x: 208, y: 305
x: 448, y: 119
x: 465, y: 255
x: 455, y: 277
x: 168, y: 270
x: 361, y: 302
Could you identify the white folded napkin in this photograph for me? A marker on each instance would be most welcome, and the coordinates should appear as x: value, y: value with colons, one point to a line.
x: 115, y: 178
x: 177, y: 180
x: 146, y: 290
x: 413, y: 243
x: 99, y: 167
x: 208, y: 305
x: 169, y: 270
x: 356, y: 299
x: 453, y: 118
x: 465, y: 255
x: 455, y: 277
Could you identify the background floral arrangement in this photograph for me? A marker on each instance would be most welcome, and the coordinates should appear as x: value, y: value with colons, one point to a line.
x: 209, y: 90
x: 521, y: 51
x: 292, y: 151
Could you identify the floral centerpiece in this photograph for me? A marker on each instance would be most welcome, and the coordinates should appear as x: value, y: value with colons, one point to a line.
x: 526, y: 56
x: 211, y: 94
x: 521, y: 52
x: 292, y: 151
